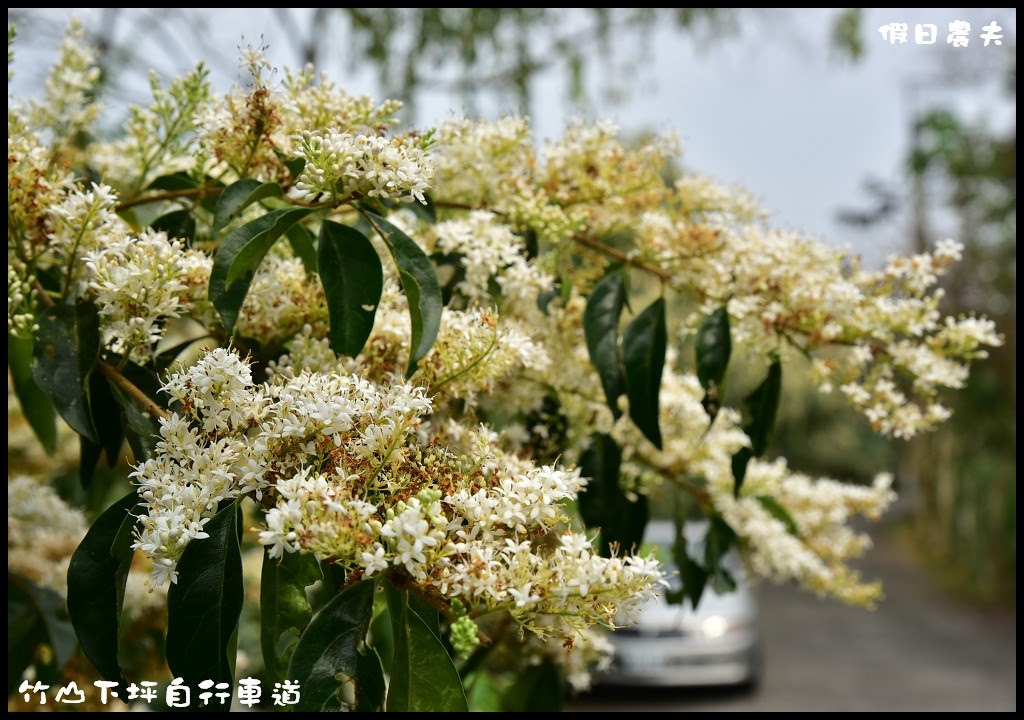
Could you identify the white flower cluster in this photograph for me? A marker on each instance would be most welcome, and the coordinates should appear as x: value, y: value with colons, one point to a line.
x: 875, y: 329
x: 489, y: 249
x: 350, y: 475
x: 251, y: 132
x: 137, y: 282
x: 82, y: 221
x: 69, y: 107
x: 470, y: 533
x: 347, y: 165
x: 814, y: 550
x: 42, y: 532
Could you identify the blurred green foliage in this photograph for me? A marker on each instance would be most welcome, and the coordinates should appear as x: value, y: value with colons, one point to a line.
x: 966, y: 509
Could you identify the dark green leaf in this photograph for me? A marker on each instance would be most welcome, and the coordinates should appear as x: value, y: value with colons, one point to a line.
x: 174, y: 181
x: 240, y: 195
x: 66, y: 347
x: 35, y: 404
x: 601, y: 329
x: 692, y: 574
x: 326, y: 660
x: 762, y: 407
x: 422, y: 291
x: 544, y: 298
x: 719, y: 540
x: 240, y: 254
x: 353, y: 279
x: 283, y: 604
x: 429, y: 614
x: 35, y: 616
x: 531, y: 243
x: 425, y: 210
x: 602, y: 503
x: 25, y: 630
x: 96, y: 580
x: 423, y: 677
x: 204, y: 605
x: 177, y: 224
x: 538, y: 688
x: 295, y: 166
x: 370, y: 688
x: 780, y: 513
x: 301, y: 240
x: 140, y: 428
x: 88, y: 456
x: 714, y: 346
x: 643, y: 357
x: 106, y: 417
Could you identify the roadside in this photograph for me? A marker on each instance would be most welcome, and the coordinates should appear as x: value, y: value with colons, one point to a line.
x: 920, y: 650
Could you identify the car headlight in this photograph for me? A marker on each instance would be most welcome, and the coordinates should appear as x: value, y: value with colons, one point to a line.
x: 714, y: 626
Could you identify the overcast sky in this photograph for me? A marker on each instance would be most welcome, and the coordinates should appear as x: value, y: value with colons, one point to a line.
x: 768, y: 107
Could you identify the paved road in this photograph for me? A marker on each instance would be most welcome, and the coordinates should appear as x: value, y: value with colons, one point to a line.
x: 921, y: 650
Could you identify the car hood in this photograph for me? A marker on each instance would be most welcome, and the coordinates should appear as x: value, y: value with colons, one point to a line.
x: 658, y: 616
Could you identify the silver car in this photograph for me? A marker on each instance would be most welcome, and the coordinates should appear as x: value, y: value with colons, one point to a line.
x: 675, y: 645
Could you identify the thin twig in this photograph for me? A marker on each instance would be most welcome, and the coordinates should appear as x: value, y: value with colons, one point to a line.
x: 200, y: 192
x: 621, y: 257
x: 111, y: 374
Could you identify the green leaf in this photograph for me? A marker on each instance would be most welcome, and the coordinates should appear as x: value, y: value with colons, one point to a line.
x: 283, y: 604
x: 326, y: 660
x: 602, y: 503
x: 174, y: 181
x: 295, y: 166
x: 35, y: 404
x: 301, y: 240
x: 106, y: 417
x: 238, y: 256
x: 423, y: 677
x: 481, y: 693
x: 762, y: 407
x: 140, y: 428
x: 35, y: 616
x: 419, y: 281
x: 776, y: 509
x: 692, y: 574
x: 353, y: 279
x: 643, y: 357
x: 240, y: 195
x: 66, y: 347
x: 714, y: 346
x: 371, y: 687
x: 601, y: 329
x: 537, y: 689
x: 96, y: 579
x: 719, y: 540
x: 177, y: 224
x: 531, y: 243
x: 425, y: 210
x: 204, y: 605
x: 88, y: 456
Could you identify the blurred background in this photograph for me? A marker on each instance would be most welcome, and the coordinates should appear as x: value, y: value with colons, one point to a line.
x: 842, y: 134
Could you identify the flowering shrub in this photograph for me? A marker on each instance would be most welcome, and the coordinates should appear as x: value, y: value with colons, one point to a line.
x: 449, y: 366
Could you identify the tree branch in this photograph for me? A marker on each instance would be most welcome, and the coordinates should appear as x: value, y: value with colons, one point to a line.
x: 126, y: 385
x: 621, y: 257
x: 200, y: 192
